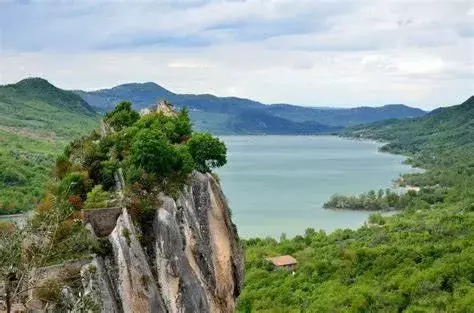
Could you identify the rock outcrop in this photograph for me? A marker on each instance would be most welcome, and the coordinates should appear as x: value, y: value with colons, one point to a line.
x: 193, y: 264
x: 198, y: 257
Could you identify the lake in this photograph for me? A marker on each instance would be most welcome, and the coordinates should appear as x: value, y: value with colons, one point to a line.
x: 278, y: 184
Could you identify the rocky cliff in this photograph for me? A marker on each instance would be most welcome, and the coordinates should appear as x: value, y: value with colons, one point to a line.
x: 193, y: 262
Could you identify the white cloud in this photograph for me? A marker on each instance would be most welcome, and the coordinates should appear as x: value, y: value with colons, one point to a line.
x: 303, y: 52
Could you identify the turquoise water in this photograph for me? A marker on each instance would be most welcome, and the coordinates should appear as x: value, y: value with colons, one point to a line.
x: 278, y: 184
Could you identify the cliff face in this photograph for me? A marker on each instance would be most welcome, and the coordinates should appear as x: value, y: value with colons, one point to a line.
x: 192, y: 263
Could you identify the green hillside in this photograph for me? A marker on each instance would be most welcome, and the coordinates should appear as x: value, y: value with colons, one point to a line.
x: 450, y: 127
x: 442, y: 141
x: 36, y: 121
x: 420, y: 260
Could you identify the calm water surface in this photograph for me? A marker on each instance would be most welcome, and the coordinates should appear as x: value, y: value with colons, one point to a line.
x: 278, y: 184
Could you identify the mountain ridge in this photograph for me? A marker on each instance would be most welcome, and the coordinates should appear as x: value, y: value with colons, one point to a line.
x: 232, y: 115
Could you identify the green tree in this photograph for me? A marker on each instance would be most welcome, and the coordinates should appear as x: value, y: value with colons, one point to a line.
x: 122, y: 116
x: 184, y: 127
x: 207, y: 151
x: 152, y: 151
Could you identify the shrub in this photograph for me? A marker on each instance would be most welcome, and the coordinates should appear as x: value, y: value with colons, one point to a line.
x: 184, y: 127
x: 49, y: 291
x: 46, y: 205
x: 11, y: 176
x: 7, y: 227
x: 376, y: 218
x: 75, y: 183
x: 76, y: 202
x: 106, y: 177
x: 63, y: 165
x: 152, y: 152
x: 207, y: 151
x: 126, y: 235
x: 97, y: 198
x: 122, y: 116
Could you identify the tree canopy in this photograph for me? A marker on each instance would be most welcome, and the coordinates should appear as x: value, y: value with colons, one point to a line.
x: 122, y: 116
x: 207, y: 151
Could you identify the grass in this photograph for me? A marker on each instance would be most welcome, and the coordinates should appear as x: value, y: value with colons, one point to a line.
x: 36, y: 122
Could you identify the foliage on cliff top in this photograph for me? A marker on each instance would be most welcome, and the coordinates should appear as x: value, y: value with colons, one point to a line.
x: 156, y: 151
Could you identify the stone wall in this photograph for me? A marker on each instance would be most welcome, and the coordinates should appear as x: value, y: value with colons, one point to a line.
x: 103, y: 221
x: 59, y: 272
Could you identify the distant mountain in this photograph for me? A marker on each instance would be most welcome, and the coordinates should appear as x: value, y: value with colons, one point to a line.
x: 262, y: 122
x: 36, y: 105
x: 41, y: 89
x: 345, y: 117
x: 234, y: 115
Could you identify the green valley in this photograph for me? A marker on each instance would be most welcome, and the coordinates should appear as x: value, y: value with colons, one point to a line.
x: 36, y: 121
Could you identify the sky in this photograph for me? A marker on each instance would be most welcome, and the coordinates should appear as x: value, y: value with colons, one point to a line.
x: 314, y: 53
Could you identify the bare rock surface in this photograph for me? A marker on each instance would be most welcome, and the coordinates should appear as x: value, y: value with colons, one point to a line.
x: 137, y: 289
x: 191, y: 260
x: 198, y: 256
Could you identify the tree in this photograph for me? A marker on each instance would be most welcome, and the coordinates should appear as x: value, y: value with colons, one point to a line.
x: 184, y: 127
x: 207, y: 151
x: 152, y: 152
x: 122, y: 116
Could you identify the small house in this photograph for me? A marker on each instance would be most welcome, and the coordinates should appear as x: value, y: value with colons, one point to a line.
x: 283, y: 261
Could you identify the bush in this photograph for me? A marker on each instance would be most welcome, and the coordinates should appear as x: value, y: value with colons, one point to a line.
x: 152, y: 152
x: 376, y: 218
x: 122, y: 116
x: 63, y: 165
x: 97, y: 198
x: 76, y: 202
x: 207, y: 151
x: 11, y: 176
x: 75, y: 183
x: 106, y: 174
x: 49, y: 291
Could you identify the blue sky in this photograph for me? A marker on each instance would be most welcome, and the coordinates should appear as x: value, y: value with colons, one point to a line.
x: 317, y: 53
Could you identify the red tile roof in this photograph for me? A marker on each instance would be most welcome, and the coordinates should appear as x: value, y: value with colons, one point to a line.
x: 283, y: 260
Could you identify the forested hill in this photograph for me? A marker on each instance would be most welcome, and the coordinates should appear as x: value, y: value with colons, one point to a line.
x: 36, y: 120
x: 39, y: 89
x: 419, y: 260
x: 234, y: 115
x: 447, y: 131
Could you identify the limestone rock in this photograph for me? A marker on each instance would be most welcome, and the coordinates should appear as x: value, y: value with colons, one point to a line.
x: 198, y: 257
x: 137, y: 288
x: 193, y: 261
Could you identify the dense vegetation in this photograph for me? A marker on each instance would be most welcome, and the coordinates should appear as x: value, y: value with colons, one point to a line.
x: 156, y: 153
x: 420, y: 260
x: 36, y: 121
x: 370, y: 201
x: 232, y: 115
